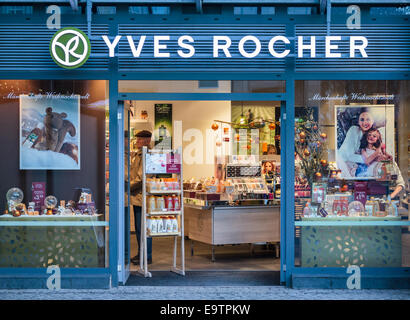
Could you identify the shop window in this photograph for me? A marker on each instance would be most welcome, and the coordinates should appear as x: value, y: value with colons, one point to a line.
x: 206, y: 9
x: 390, y: 11
x: 138, y: 10
x: 208, y: 84
x: 268, y: 10
x: 161, y: 10
x: 245, y: 10
x: 174, y: 86
x: 301, y: 10
x: 55, y: 176
x: 106, y: 9
x: 258, y: 86
x: 16, y: 10
x: 352, y: 145
x: 70, y: 10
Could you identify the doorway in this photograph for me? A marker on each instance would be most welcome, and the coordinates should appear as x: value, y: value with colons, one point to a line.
x: 193, y: 123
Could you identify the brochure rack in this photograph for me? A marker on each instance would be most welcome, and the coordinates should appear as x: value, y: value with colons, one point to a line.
x: 157, y: 163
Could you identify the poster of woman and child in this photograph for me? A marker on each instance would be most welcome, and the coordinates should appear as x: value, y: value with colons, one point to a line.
x: 364, y: 139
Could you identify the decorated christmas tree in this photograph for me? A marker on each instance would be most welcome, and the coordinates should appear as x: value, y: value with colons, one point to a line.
x: 310, y: 147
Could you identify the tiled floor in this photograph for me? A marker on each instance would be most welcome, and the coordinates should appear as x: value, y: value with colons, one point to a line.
x: 228, y: 257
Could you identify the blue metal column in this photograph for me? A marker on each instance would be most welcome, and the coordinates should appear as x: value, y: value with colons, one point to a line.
x: 288, y: 165
x: 289, y: 169
x: 283, y: 194
x: 114, y: 164
x: 114, y: 179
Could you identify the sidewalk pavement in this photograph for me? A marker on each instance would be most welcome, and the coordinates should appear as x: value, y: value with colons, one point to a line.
x: 203, y: 293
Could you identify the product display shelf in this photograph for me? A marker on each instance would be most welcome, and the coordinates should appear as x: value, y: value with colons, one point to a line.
x: 164, y: 234
x: 179, y: 213
x: 164, y: 192
x: 352, y: 221
x: 164, y: 213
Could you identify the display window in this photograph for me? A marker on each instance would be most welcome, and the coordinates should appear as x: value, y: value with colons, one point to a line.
x: 54, y: 173
x: 229, y: 197
x: 352, y: 144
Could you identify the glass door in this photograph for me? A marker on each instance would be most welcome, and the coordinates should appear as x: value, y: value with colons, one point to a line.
x: 124, y: 251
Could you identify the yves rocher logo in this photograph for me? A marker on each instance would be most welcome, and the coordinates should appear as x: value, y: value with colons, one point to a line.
x: 70, y: 48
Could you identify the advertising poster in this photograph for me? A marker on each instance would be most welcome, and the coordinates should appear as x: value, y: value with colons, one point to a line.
x: 38, y: 194
x: 49, y: 132
x: 173, y: 163
x: 163, y: 126
x: 156, y: 163
x: 364, y: 139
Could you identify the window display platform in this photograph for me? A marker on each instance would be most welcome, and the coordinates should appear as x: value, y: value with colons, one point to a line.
x: 41, y: 241
x: 344, y: 241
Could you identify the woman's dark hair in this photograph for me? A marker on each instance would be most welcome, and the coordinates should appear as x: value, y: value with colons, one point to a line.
x: 363, y: 141
x: 363, y: 109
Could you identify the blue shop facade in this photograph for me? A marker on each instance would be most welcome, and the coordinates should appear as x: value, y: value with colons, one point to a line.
x: 324, y: 67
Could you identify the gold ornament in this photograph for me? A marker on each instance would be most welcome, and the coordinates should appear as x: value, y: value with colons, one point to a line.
x: 306, y: 152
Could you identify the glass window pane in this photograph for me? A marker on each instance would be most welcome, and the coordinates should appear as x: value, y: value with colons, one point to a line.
x: 259, y: 86
x: 352, y: 173
x: 55, y: 134
x: 203, y: 86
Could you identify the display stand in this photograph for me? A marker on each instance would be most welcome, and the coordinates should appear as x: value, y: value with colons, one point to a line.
x: 156, y: 163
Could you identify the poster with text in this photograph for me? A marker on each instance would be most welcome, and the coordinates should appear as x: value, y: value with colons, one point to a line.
x: 49, y: 132
x: 364, y: 139
x: 163, y: 126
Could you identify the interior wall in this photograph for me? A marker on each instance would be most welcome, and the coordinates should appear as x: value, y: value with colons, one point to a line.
x: 189, y: 86
x: 192, y: 122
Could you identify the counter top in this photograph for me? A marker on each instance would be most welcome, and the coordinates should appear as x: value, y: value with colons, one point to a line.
x: 52, y: 221
x: 352, y: 221
x: 227, y: 207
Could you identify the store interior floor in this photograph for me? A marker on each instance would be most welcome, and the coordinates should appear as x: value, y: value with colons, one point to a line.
x: 240, y: 257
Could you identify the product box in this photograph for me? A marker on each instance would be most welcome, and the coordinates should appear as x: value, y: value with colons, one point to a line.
x: 318, y: 192
x: 377, y: 188
x: 207, y: 196
x: 189, y: 194
x: 360, y: 191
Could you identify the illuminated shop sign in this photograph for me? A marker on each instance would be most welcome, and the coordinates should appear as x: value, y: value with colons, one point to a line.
x: 70, y: 48
x: 222, y: 46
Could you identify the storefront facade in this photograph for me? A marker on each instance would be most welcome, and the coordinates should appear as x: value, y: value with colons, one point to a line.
x: 315, y: 79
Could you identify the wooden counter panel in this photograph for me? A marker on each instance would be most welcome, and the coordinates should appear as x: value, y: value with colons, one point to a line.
x: 246, y: 225
x: 200, y: 224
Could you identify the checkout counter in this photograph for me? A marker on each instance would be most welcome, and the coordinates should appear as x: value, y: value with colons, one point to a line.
x: 242, y: 209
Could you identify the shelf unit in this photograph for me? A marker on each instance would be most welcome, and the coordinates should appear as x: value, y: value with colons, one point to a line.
x: 178, y: 213
x: 162, y: 213
x: 164, y: 192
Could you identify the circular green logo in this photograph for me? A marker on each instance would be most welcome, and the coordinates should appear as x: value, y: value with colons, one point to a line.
x: 70, y: 48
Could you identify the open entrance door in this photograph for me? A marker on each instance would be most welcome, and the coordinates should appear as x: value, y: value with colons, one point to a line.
x: 222, y: 242
x: 124, y: 252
